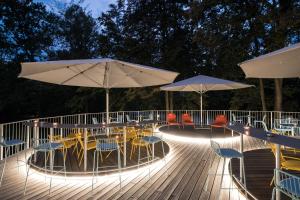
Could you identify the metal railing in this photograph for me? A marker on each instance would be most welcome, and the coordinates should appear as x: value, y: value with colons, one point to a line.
x: 17, y: 130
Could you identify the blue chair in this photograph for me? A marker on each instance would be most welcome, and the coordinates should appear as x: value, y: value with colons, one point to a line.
x: 227, y: 153
x: 7, y: 144
x: 105, y: 145
x: 46, y: 147
x: 152, y: 140
x: 288, y: 184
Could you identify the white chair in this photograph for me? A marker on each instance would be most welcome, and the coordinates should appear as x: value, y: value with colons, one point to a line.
x: 263, y: 121
x: 235, y: 119
x: 130, y: 120
x: 150, y: 118
x: 119, y: 119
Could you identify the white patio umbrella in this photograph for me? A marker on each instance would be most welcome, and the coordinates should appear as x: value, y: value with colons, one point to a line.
x: 283, y: 63
x: 202, y: 84
x: 101, y: 73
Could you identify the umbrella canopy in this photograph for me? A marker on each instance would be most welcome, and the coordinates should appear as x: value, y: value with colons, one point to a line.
x: 202, y: 84
x: 283, y: 63
x: 101, y: 73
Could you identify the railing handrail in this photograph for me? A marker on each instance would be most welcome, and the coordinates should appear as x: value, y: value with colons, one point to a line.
x: 127, y: 111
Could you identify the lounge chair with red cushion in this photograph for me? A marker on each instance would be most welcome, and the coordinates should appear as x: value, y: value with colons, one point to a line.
x: 171, y: 120
x: 220, y: 122
x: 187, y: 120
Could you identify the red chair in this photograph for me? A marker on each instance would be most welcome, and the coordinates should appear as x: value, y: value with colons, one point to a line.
x: 220, y: 122
x: 187, y: 120
x: 171, y: 120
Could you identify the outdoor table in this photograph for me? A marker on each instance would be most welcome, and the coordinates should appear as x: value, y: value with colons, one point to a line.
x: 262, y: 135
x: 52, y: 126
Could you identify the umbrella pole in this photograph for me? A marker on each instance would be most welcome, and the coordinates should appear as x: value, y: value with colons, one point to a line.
x: 201, y: 108
x: 107, y: 105
x: 107, y: 109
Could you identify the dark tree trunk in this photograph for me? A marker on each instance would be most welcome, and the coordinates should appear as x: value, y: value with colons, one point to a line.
x: 171, y: 101
x: 278, y: 94
x: 262, y: 94
x: 167, y: 100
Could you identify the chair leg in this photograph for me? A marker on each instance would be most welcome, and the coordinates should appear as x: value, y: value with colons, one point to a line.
x: 244, y: 175
x: 273, y: 193
x: 93, y: 172
x: 132, y: 146
x: 139, y: 155
x: 219, y: 192
x: 27, y: 174
x: 3, y: 169
x: 148, y: 159
x: 119, y: 167
x: 64, y: 160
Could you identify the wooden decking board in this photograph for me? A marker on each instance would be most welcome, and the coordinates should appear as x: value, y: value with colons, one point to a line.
x: 157, y: 180
x: 187, y: 170
x: 178, y: 184
x: 134, y: 181
x: 158, y: 175
x: 145, y: 180
x: 197, y: 181
x: 166, y: 182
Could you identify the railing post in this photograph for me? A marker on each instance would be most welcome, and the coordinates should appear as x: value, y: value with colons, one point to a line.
x: 78, y: 120
x: 61, y: 130
x: 85, y: 118
x: 271, y: 120
x: 1, y: 135
x: 27, y: 136
x: 230, y: 115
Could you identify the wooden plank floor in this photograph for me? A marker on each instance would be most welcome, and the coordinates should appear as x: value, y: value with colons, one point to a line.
x: 260, y: 166
x: 183, y: 176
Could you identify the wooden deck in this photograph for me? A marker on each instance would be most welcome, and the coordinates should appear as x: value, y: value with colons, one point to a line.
x: 183, y: 177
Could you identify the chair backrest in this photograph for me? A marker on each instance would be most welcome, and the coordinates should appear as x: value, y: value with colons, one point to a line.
x: 131, y: 133
x: 264, y: 118
x: 120, y: 118
x: 171, y: 117
x: 233, y: 117
x: 215, y: 146
x: 106, y: 144
x: 151, y: 116
x: 221, y: 119
x: 95, y: 120
x: 186, y: 117
x: 288, y: 183
x: 2, y: 141
x: 264, y: 126
x: 273, y: 148
x: 128, y: 118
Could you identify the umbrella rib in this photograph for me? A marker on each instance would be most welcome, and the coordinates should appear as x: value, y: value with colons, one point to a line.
x: 82, y: 72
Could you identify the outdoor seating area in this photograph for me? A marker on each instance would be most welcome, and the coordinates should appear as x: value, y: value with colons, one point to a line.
x: 94, y: 149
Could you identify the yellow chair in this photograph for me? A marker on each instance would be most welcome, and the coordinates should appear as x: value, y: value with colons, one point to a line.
x: 91, y: 144
x: 138, y: 142
x: 287, y: 162
x: 67, y: 144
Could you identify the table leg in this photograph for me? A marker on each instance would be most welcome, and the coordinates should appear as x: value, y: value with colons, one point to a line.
x: 278, y: 164
x: 85, y: 150
x: 153, y: 129
x: 241, y: 151
x: 51, y: 156
x: 124, y: 146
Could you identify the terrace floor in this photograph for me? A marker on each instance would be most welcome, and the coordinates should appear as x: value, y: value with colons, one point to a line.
x: 182, y: 177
